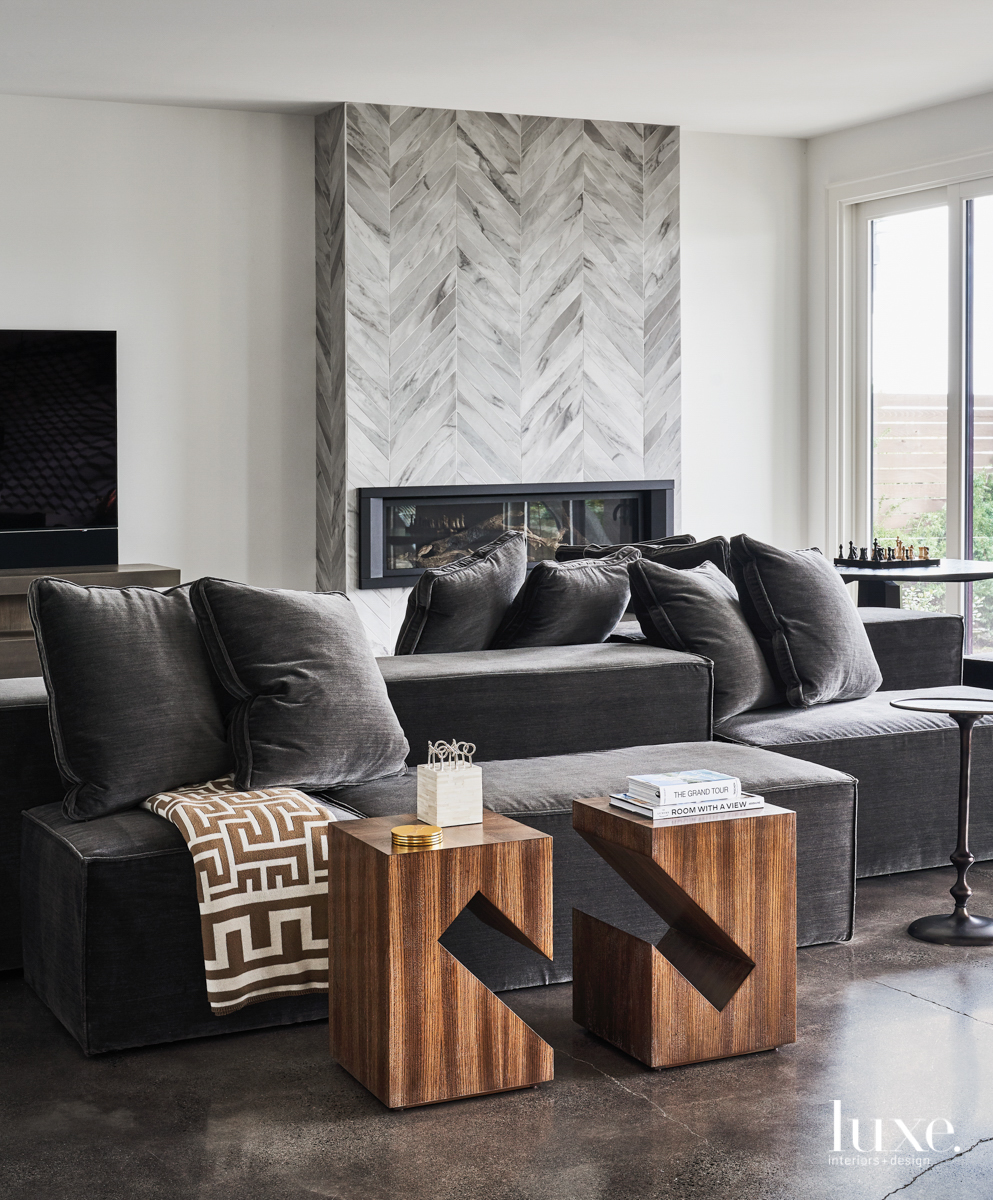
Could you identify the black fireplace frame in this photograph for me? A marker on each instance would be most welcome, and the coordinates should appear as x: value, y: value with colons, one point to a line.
x: 656, y: 514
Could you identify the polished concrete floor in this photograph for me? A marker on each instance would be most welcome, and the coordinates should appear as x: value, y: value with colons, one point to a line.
x: 889, y: 1028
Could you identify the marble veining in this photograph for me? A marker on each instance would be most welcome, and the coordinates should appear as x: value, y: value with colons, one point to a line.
x: 662, y: 327
x: 423, y: 298
x: 488, y: 311
x: 331, y: 403
x: 498, y: 300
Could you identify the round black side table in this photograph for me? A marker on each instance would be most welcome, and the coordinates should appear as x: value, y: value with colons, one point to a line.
x: 960, y: 928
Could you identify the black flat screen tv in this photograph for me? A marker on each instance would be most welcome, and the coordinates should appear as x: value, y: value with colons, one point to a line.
x: 58, y: 448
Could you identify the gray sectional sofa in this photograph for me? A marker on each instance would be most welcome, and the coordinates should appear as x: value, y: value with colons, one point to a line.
x: 111, y: 938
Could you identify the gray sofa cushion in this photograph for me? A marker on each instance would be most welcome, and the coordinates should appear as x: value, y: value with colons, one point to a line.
x: 682, y: 556
x: 596, y: 550
x: 698, y: 611
x: 112, y: 931
x: 907, y: 765
x: 112, y: 940
x: 872, y: 716
x: 977, y: 670
x: 540, y: 791
x: 460, y: 606
x: 312, y: 708
x: 556, y: 699
x: 134, y: 705
x: 804, y: 619
x: 28, y: 776
x: 568, y: 603
x: 916, y: 649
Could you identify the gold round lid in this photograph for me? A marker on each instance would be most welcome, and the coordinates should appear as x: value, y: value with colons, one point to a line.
x: 416, y: 835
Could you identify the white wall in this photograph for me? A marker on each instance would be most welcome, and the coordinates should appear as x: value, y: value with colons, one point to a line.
x: 933, y: 144
x: 190, y: 232
x: 743, y: 253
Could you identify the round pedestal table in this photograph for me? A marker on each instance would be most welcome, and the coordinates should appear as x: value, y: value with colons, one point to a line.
x: 960, y: 928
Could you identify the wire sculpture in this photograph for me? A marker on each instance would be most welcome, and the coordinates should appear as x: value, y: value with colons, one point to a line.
x: 450, y: 756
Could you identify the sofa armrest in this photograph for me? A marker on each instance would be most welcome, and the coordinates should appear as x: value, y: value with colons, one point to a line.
x: 915, y: 649
x: 539, y: 701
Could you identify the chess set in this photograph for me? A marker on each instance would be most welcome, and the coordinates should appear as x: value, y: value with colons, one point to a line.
x: 886, y: 557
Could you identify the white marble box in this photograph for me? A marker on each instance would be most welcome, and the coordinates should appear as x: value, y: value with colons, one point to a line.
x: 450, y: 797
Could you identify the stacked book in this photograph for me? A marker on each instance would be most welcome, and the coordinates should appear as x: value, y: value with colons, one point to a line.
x: 684, y: 794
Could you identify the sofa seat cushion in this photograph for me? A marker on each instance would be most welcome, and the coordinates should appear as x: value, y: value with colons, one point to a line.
x: 112, y: 935
x: 539, y: 792
x: 112, y: 929
x: 516, y: 787
x: 872, y: 716
x: 906, y: 764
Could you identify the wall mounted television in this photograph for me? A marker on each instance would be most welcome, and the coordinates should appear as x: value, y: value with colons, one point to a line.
x: 58, y: 448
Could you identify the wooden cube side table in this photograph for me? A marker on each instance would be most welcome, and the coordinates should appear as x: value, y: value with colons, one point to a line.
x: 406, y: 1018
x: 722, y: 980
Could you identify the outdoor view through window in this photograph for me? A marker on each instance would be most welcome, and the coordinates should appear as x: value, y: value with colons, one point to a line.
x: 909, y: 389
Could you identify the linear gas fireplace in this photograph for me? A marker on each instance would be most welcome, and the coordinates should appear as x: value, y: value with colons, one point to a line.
x: 403, y: 530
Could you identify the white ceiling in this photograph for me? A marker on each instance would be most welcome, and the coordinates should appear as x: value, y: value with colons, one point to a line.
x: 785, y: 67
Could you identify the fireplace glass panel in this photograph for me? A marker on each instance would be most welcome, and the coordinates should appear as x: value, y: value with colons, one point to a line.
x: 432, y: 532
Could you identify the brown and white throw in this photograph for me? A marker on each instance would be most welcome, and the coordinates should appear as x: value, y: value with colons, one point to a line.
x: 261, y: 860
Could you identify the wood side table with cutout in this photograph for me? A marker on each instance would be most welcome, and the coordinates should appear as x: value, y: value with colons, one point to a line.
x: 722, y: 980
x: 406, y: 1018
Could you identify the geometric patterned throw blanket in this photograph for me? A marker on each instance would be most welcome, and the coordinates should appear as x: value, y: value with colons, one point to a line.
x: 261, y: 860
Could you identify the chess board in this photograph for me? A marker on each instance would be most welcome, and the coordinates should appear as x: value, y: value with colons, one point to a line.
x: 870, y: 564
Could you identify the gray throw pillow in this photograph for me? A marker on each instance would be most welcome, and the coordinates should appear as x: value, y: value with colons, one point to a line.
x: 683, y: 555
x: 805, y: 622
x: 595, y: 550
x: 568, y: 603
x: 460, y: 606
x: 134, y: 707
x: 697, y: 611
x: 312, y: 709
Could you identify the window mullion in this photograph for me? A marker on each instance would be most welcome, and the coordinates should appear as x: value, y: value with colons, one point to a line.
x: 958, y: 464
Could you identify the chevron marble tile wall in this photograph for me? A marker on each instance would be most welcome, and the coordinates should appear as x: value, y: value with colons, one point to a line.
x: 497, y: 302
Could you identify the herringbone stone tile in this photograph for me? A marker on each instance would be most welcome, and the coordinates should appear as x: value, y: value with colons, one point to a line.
x: 423, y: 262
x: 488, y: 306
x: 662, y: 340
x: 498, y: 300
x: 332, y: 527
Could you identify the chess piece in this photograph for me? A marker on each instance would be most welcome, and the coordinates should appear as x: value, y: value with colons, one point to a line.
x: 841, y: 553
x: 863, y: 554
x: 925, y: 552
x: 852, y: 552
x: 890, y: 554
x: 910, y: 553
x: 899, y: 548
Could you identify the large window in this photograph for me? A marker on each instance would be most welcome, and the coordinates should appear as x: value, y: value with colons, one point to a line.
x: 926, y: 384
